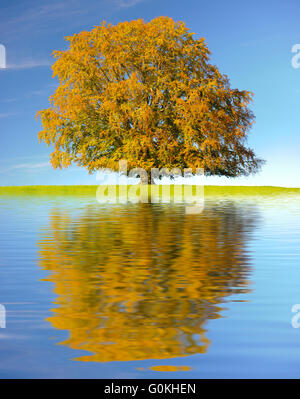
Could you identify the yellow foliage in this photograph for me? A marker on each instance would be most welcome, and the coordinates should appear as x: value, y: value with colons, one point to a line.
x: 146, y: 92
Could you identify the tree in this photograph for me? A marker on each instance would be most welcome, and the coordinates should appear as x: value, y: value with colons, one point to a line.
x: 146, y: 92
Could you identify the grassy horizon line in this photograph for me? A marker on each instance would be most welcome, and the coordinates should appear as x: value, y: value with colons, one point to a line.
x: 91, y: 189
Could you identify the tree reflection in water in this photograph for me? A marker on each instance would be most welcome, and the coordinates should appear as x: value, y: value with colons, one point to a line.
x: 139, y: 281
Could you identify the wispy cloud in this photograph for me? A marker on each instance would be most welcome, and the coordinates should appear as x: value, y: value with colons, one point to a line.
x: 28, y: 64
x: 6, y: 114
x: 47, y: 90
x: 127, y: 3
x: 40, y: 17
x: 20, y: 159
x: 54, y: 15
x: 10, y: 100
x: 26, y: 166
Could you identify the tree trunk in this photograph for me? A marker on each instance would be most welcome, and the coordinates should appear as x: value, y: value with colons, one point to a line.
x: 147, y: 179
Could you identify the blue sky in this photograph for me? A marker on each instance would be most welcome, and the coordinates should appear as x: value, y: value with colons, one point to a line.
x: 251, y: 42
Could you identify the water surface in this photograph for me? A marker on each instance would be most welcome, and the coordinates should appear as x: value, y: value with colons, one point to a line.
x: 147, y: 290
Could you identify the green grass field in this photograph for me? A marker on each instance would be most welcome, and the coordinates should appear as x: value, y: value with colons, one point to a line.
x: 91, y: 190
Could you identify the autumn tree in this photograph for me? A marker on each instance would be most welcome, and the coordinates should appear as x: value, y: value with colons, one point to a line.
x: 146, y: 92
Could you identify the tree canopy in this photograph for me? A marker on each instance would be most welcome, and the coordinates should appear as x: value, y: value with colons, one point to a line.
x: 147, y: 93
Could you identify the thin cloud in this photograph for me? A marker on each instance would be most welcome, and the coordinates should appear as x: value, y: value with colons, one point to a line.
x: 26, y: 166
x: 127, y: 3
x: 29, y: 64
x: 40, y: 17
x: 31, y: 94
x: 10, y: 100
x: 22, y: 158
x: 6, y: 114
x: 54, y: 16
